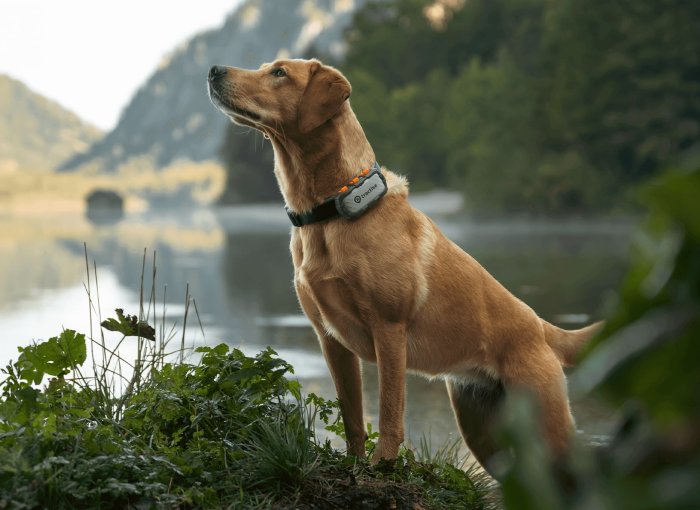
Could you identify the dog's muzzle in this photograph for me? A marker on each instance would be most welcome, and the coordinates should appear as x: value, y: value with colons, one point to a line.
x: 221, y: 97
x: 216, y: 72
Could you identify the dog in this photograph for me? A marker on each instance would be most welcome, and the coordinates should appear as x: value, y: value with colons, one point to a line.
x: 385, y: 285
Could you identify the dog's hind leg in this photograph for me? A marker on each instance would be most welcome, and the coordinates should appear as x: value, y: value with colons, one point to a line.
x: 476, y: 406
x: 541, y: 375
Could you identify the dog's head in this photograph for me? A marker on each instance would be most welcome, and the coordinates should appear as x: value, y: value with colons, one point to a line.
x: 287, y: 96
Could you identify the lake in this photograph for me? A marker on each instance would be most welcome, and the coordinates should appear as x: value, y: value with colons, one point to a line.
x: 237, y: 264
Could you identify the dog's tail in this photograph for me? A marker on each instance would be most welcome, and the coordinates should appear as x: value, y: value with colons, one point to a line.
x: 567, y: 344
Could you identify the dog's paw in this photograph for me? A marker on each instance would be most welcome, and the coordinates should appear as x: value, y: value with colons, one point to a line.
x: 384, y: 452
x: 356, y: 448
x: 357, y: 452
x: 384, y: 465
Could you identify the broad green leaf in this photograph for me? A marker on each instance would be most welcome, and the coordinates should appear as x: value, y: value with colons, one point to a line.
x: 129, y: 325
x: 56, y: 356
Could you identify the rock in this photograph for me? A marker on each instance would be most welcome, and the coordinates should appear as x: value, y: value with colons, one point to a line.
x: 104, y: 206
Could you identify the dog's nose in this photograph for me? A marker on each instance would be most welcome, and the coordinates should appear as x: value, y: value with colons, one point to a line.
x: 216, y: 72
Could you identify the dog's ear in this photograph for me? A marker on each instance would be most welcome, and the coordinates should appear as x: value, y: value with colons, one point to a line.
x: 325, y: 93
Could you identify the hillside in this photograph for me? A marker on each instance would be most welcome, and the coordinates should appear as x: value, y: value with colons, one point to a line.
x: 171, y: 118
x: 37, y: 133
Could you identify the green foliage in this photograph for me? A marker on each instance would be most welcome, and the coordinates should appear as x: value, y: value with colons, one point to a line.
x: 449, y: 485
x: 225, y: 396
x: 657, y: 323
x: 228, y: 431
x: 646, y: 363
x: 481, y: 105
x: 284, y: 450
x: 523, y: 105
x: 25, y: 406
x: 528, y: 105
x: 396, y: 43
x: 57, y: 356
x: 623, y: 81
x: 188, y: 426
x: 129, y: 325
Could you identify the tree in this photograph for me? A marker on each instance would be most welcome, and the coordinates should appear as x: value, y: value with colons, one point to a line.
x: 397, y: 43
x: 622, y: 82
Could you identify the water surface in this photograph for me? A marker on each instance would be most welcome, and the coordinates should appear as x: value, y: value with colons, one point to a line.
x: 237, y: 264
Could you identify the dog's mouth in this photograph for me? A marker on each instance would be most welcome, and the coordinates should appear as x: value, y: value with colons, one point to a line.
x: 229, y: 108
x: 244, y: 113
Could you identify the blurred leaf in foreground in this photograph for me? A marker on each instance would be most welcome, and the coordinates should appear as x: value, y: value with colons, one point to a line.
x: 650, y: 350
x: 647, y: 362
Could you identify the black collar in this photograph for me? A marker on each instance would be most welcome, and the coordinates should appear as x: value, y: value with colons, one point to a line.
x: 352, y: 200
x: 321, y: 212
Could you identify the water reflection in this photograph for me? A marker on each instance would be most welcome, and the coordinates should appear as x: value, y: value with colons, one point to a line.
x: 239, y: 271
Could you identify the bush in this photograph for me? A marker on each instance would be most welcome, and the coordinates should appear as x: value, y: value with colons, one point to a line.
x: 227, y: 431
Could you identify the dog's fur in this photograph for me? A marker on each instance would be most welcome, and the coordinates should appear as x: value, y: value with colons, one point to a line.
x: 389, y: 287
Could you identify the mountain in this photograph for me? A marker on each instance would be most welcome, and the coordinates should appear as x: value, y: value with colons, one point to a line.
x: 171, y: 118
x: 37, y: 133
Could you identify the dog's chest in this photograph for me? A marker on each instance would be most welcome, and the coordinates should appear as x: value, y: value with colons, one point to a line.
x: 341, y: 313
x: 332, y: 292
x: 339, y: 303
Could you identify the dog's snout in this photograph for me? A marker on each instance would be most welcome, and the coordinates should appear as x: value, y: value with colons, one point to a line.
x: 216, y: 72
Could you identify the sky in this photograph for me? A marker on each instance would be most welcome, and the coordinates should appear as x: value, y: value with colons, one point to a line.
x: 92, y: 55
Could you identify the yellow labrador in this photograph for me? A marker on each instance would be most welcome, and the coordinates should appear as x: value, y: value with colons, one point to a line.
x: 383, y: 283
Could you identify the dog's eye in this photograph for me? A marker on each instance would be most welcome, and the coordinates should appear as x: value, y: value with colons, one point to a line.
x: 279, y: 72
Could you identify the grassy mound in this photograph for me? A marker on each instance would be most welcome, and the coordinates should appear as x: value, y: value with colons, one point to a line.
x: 229, y: 431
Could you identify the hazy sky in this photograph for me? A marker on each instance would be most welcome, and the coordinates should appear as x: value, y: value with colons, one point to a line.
x: 92, y: 55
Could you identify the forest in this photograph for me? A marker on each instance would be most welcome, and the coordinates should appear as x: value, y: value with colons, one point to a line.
x: 525, y: 106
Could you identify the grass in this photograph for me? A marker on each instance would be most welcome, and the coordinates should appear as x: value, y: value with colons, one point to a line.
x: 83, y: 427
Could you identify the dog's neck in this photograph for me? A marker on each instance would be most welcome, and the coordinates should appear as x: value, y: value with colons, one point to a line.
x: 311, y: 168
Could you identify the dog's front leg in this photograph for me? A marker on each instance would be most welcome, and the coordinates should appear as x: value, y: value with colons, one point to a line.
x: 390, y: 348
x: 344, y: 366
x: 345, y: 370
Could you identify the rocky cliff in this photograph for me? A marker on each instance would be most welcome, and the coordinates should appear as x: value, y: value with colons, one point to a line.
x: 171, y: 118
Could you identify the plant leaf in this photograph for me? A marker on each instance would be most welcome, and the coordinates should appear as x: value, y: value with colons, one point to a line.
x: 129, y: 325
